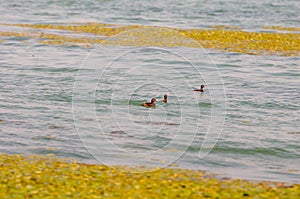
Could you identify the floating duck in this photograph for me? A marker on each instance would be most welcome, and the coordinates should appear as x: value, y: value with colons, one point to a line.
x: 201, y: 89
x: 149, y: 104
x: 165, y: 99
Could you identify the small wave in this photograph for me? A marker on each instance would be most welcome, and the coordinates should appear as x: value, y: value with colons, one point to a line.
x: 271, y: 151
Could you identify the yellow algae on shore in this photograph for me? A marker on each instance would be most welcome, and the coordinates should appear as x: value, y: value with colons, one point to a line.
x: 44, y: 177
x: 222, y: 38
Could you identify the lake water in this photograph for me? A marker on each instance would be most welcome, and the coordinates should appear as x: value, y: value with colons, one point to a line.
x: 84, y: 103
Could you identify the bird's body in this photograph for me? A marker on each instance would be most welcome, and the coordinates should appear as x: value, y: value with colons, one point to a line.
x: 165, y: 99
x: 201, y: 89
x: 149, y: 104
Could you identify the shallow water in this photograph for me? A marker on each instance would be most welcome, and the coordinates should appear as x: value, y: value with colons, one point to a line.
x: 84, y: 103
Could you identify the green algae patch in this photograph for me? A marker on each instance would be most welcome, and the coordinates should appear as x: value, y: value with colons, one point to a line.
x: 45, y: 177
x: 222, y: 38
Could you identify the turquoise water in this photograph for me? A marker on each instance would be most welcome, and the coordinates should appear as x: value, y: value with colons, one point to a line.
x: 84, y: 103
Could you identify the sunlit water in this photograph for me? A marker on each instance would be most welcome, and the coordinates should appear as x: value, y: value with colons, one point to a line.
x: 85, y: 103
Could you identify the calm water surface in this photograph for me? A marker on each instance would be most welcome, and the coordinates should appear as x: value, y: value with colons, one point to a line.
x: 84, y: 103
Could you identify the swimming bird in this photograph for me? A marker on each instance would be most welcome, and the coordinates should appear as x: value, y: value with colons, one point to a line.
x: 165, y: 99
x: 149, y: 104
x: 201, y: 89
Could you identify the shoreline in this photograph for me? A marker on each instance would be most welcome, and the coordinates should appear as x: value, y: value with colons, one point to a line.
x: 49, y: 177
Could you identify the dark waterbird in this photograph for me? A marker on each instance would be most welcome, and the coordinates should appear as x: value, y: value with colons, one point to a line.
x: 201, y: 89
x: 149, y: 104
